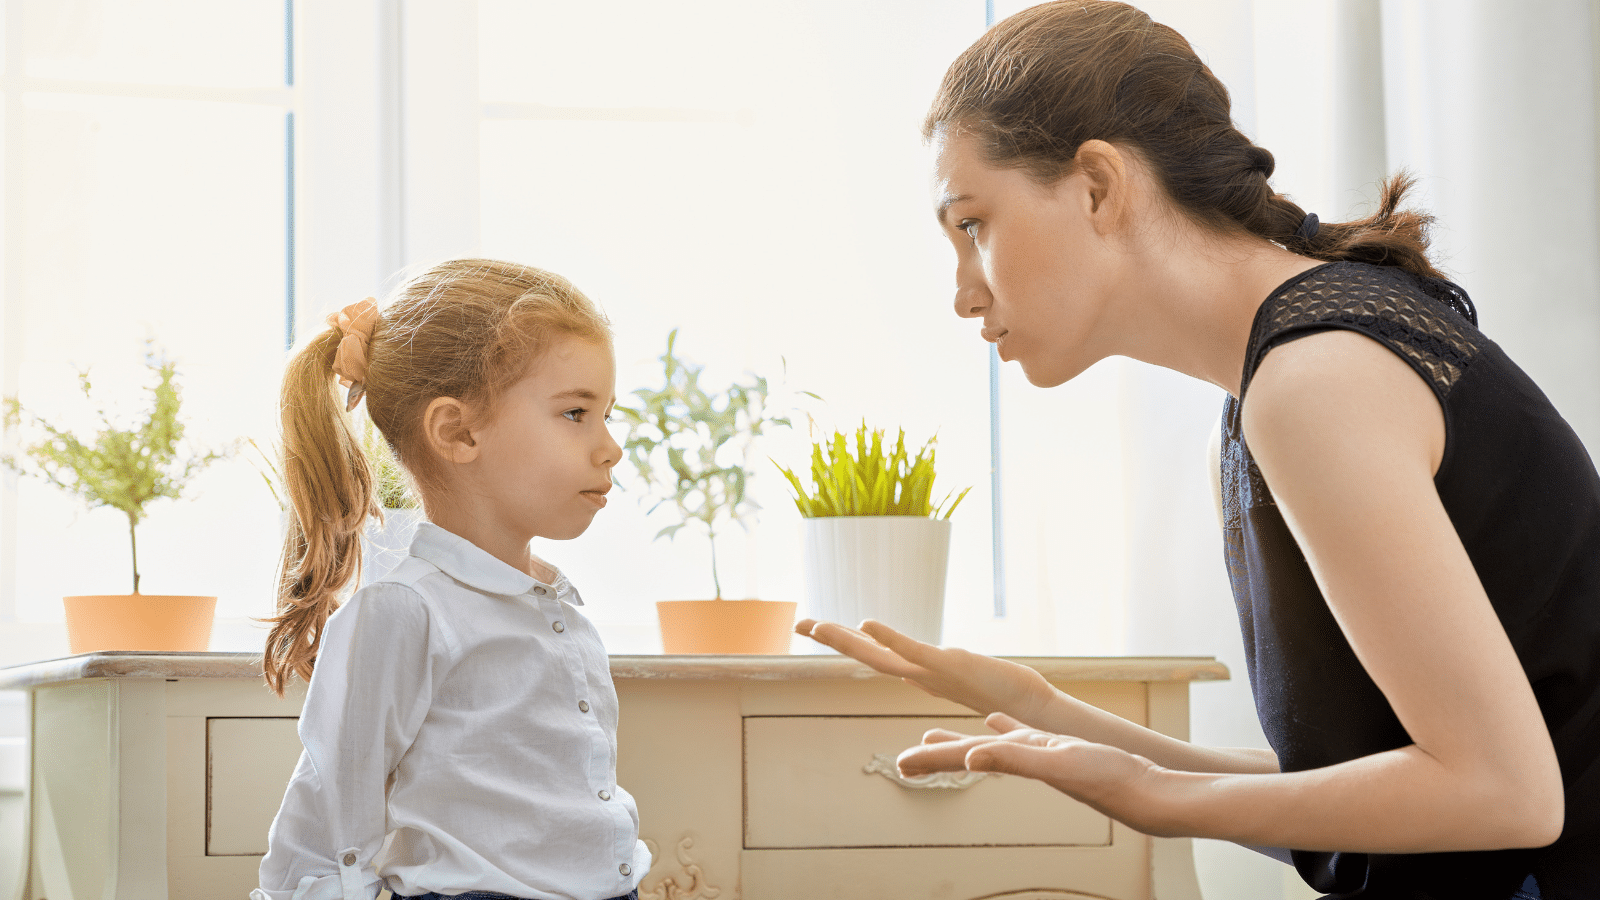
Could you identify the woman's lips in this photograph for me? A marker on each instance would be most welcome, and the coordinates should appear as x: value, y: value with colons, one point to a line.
x: 598, y: 498
x: 997, y: 337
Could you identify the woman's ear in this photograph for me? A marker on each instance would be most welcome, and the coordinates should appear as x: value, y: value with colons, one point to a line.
x: 445, y: 430
x: 1106, y: 174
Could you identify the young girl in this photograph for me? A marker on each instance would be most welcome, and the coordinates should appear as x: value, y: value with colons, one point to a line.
x: 460, y: 725
x: 1411, y: 529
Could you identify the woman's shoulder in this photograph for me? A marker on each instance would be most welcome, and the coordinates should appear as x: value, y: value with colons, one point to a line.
x: 1427, y: 322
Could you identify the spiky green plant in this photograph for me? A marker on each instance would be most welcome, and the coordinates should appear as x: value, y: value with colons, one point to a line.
x: 123, y: 468
x: 691, y: 447
x: 390, y: 486
x: 389, y: 482
x: 872, y: 481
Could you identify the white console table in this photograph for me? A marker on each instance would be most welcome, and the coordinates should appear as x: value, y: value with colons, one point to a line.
x: 156, y: 775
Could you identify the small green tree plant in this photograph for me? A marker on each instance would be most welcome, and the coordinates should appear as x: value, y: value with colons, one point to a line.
x: 123, y: 468
x: 874, y: 480
x: 691, y: 447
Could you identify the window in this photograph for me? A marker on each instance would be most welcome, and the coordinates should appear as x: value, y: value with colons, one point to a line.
x: 749, y: 173
x: 146, y: 187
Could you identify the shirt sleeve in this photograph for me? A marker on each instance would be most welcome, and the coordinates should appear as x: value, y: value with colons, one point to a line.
x: 369, y: 693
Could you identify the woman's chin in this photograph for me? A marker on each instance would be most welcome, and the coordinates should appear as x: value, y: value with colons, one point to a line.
x: 1048, y: 374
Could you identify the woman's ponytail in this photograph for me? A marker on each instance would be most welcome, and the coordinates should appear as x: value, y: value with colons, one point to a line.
x: 1391, y: 236
x: 330, y: 488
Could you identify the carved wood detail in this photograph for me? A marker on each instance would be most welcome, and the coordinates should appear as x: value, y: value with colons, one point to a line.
x: 693, y: 885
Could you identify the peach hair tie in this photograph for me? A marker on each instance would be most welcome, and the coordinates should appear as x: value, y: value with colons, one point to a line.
x: 350, y: 362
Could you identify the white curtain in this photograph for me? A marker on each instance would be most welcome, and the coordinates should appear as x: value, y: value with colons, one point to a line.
x: 1493, y: 107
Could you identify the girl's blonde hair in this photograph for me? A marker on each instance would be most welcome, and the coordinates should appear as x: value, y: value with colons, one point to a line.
x: 467, y: 329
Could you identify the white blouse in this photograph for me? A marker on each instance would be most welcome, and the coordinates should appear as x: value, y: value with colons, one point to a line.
x: 460, y: 733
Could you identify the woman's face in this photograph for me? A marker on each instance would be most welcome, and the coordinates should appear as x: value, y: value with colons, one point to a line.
x: 1031, y: 260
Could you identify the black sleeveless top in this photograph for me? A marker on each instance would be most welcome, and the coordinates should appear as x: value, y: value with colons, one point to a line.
x: 1525, y: 499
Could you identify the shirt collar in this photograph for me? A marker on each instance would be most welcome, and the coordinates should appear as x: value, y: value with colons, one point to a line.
x: 478, y: 569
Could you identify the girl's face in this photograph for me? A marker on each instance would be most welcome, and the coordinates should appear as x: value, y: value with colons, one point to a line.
x: 1030, y: 260
x: 544, y: 459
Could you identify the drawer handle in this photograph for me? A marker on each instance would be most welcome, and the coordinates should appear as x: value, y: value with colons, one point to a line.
x: 883, y: 764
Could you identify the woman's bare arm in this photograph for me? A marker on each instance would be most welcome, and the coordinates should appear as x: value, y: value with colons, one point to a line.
x: 1349, y: 438
x: 988, y: 685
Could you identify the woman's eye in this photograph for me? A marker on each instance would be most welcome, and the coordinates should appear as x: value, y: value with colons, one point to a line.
x: 970, y: 226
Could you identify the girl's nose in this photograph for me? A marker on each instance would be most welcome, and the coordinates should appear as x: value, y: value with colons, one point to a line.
x: 609, y: 452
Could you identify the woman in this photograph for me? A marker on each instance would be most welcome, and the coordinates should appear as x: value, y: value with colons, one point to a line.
x: 1410, y: 527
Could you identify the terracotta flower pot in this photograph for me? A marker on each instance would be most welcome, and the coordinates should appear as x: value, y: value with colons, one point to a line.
x: 726, y: 626
x: 160, y: 622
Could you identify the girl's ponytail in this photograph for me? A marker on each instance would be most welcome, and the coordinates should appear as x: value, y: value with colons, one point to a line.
x: 330, y: 488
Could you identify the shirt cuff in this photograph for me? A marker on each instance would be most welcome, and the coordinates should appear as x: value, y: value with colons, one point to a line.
x: 350, y: 884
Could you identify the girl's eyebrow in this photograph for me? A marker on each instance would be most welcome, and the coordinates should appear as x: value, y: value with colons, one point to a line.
x: 579, y: 394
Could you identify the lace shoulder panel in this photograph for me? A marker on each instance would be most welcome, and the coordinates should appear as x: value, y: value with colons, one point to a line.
x: 1431, y: 330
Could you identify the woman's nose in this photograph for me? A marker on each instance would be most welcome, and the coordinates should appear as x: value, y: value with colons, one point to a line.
x: 972, y: 291
x: 972, y: 299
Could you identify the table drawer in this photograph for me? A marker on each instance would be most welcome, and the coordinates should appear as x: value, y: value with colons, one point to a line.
x: 807, y: 787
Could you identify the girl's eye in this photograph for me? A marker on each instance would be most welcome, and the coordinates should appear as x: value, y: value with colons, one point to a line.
x: 576, y: 415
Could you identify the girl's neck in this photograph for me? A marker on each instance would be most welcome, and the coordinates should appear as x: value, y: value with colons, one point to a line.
x: 501, y: 543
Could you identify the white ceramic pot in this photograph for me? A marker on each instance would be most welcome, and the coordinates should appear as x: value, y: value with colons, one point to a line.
x: 889, y: 568
x: 383, y: 547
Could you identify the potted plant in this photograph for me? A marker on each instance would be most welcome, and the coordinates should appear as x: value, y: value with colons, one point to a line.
x: 388, y: 537
x: 876, y: 544
x: 125, y: 469
x: 691, y: 450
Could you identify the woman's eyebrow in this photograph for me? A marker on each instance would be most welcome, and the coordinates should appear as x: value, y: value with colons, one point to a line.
x: 947, y: 201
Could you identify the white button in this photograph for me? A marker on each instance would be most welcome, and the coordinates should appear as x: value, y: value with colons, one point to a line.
x: 583, y: 706
x: 625, y: 869
x: 540, y: 590
x: 559, y: 627
x: 605, y: 795
x: 349, y: 859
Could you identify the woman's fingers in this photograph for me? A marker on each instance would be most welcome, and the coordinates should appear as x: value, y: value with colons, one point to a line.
x: 908, y: 647
x: 1003, y: 723
x: 859, y: 646
x: 939, y: 756
x: 1030, y: 757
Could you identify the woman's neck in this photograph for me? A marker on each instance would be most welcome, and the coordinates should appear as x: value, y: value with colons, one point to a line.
x: 1194, y: 300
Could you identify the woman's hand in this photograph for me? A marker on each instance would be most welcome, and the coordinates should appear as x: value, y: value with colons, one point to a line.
x: 1109, y: 780
x: 981, y: 683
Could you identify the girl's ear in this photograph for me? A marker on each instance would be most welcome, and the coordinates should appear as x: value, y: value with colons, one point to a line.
x: 444, y: 429
x: 1106, y: 174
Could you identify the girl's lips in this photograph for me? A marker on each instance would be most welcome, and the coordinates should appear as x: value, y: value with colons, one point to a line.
x: 598, y: 498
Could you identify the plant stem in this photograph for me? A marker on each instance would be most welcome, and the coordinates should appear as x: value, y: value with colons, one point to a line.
x: 714, y: 579
x: 133, y: 540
